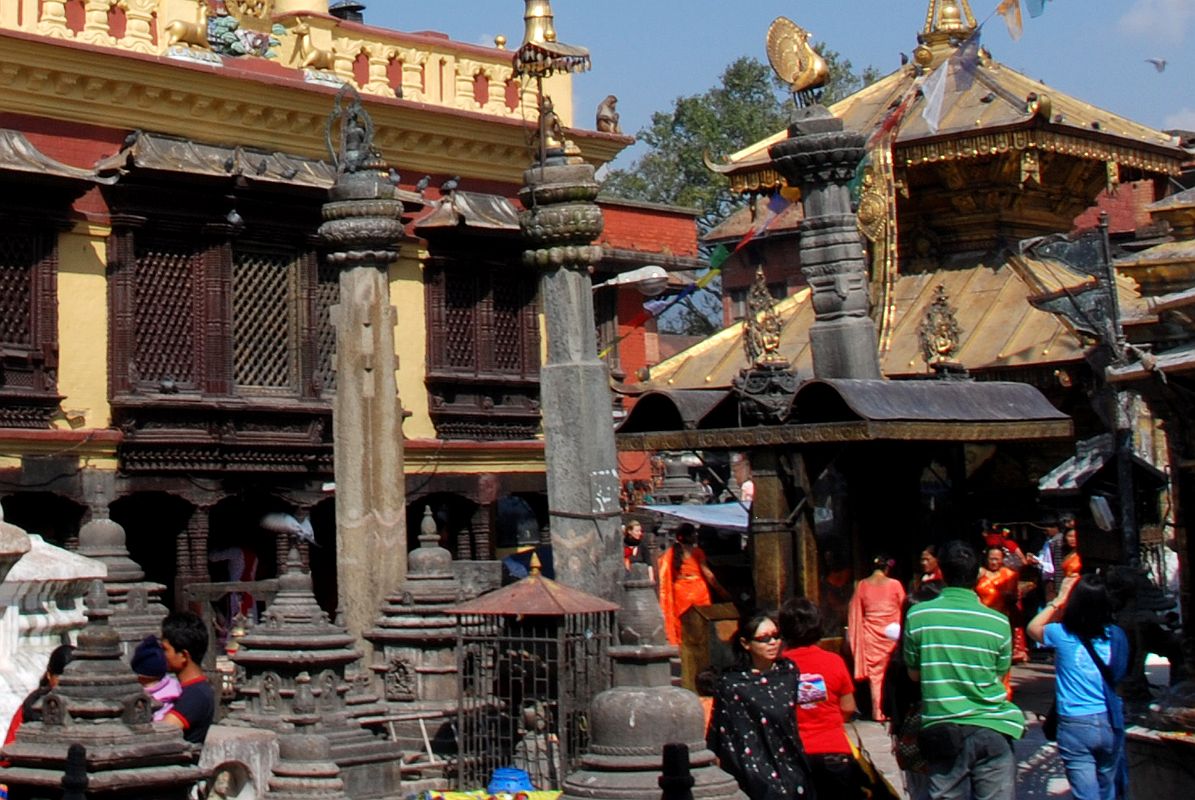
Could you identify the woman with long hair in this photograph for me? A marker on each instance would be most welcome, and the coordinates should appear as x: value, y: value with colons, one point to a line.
x: 685, y: 580
x: 1091, y: 656
x: 753, y: 729
x: 876, y: 605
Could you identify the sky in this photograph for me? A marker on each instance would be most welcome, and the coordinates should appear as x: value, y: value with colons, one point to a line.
x: 649, y: 52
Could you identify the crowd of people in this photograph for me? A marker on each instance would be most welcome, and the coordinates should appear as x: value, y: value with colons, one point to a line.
x: 935, y: 659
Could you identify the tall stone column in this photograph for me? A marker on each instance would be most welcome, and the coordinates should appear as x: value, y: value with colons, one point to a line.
x: 362, y: 230
x: 560, y: 223
x: 821, y: 158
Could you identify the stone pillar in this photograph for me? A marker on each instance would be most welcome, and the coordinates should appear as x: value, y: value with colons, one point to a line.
x: 362, y: 228
x: 626, y: 750
x: 191, y: 556
x: 821, y: 158
x: 559, y: 224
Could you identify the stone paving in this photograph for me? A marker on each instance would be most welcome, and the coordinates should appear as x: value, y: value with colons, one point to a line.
x: 1039, y: 769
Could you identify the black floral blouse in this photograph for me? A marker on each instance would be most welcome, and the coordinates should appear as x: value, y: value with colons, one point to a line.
x: 753, y: 731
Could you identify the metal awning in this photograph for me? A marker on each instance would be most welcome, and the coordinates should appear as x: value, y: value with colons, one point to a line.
x: 842, y: 410
x: 1090, y: 458
x: 17, y: 154
x: 471, y: 210
x: 728, y: 516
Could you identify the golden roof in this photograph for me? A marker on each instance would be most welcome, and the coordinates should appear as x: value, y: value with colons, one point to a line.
x: 1000, y: 329
x: 991, y: 115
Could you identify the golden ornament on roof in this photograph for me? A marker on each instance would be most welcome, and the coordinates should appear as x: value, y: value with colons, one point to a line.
x: 792, y: 58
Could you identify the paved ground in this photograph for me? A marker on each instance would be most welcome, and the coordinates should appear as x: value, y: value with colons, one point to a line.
x: 1039, y: 771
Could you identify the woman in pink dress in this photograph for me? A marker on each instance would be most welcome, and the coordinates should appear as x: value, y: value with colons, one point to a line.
x: 873, y: 628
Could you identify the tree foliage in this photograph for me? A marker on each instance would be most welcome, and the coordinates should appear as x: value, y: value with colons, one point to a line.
x: 747, y: 104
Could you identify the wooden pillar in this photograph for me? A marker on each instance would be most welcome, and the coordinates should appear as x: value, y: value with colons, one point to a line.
x: 772, y: 551
x: 191, y: 556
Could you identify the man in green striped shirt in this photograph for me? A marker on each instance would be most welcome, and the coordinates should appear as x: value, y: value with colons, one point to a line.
x: 960, y: 650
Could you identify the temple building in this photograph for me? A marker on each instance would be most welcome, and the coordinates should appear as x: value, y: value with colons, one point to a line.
x: 164, y: 307
x: 960, y: 203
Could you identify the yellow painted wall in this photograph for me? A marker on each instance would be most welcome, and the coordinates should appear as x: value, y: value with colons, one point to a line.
x: 410, y: 341
x: 83, y: 324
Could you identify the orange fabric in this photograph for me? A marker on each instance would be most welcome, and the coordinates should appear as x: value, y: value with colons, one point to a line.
x: 998, y: 592
x: 1072, y: 564
x: 873, y: 608
x: 681, y: 591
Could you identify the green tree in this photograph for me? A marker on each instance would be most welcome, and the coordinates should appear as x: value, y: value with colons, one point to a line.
x: 747, y: 105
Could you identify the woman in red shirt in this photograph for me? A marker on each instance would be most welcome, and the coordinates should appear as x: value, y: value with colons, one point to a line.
x: 826, y: 700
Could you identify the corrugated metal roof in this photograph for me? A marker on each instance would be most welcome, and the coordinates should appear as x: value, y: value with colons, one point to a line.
x: 999, y: 326
x: 995, y: 101
x: 535, y: 596
x: 933, y: 401
x: 471, y: 210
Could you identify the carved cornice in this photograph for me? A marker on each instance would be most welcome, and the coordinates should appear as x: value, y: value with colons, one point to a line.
x: 1001, y: 142
x: 96, y: 86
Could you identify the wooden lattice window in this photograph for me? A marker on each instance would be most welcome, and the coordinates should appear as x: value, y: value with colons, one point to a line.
x: 265, y: 321
x: 164, y: 327
x: 327, y: 294
x: 510, y: 298
x: 28, y: 323
x: 18, y: 256
x: 460, y: 321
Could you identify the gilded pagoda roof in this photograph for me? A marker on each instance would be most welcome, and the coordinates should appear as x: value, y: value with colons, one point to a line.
x: 1000, y: 329
x: 994, y: 113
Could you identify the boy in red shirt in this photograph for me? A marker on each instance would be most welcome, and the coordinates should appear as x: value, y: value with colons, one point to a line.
x: 826, y: 700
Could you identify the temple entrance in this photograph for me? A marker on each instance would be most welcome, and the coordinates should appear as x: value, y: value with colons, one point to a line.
x: 153, y: 523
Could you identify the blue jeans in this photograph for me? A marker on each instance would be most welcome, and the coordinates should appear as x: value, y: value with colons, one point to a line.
x: 1090, y: 752
x: 984, y: 769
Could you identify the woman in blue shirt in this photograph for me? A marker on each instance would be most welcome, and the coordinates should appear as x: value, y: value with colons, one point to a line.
x: 1090, y: 714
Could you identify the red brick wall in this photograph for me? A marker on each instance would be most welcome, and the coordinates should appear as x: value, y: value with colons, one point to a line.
x: 1126, y: 208
x: 649, y: 230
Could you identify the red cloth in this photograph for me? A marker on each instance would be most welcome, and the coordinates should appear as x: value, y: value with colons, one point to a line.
x: 681, y: 591
x: 824, y: 681
x: 999, y: 591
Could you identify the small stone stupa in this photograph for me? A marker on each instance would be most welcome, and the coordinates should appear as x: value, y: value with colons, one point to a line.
x: 99, y: 704
x: 295, y: 638
x: 625, y: 756
x: 414, y: 642
x: 137, y: 609
x: 305, y: 768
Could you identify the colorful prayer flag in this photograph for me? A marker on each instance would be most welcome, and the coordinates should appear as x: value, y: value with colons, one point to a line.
x: 959, y: 71
x: 1011, y: 11
x: 1036, y: 7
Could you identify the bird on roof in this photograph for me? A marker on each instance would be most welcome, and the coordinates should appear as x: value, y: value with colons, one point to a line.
x: 450, y: 185
x: 395, y: 178
x: 422, y: 185
x: 1159, y: 63
x: 285, y: 523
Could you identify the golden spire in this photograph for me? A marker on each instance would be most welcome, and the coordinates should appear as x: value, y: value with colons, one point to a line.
x: 948, y: 19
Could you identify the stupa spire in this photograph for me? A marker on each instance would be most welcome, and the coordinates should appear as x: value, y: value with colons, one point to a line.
x: 948, y: 19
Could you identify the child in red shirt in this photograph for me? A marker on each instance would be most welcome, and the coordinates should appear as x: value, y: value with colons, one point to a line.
x: 826, y: 700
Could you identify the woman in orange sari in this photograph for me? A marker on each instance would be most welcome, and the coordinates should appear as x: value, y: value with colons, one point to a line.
x: 685, y: 580
x: 997, y: 589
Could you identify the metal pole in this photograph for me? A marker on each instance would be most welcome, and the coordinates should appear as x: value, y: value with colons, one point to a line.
x: 1123, y: 433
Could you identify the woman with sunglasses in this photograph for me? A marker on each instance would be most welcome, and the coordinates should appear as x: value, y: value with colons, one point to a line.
x: 753, y: 729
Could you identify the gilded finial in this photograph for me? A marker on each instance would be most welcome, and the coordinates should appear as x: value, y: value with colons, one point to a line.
x: 500, y: 42
x: 940, y: 332
x: 761, y: 334
x: 541, y: 54
x: 796, y: 62
x: 535, y: 565
x: 948, y: 19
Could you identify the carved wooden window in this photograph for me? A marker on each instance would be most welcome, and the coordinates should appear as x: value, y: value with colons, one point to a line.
x: 28, y: 324
x: 327, y: 294
x: 265, y: 320
x: 482, y: 318
x: 483, y: 344
x: 164, y: 327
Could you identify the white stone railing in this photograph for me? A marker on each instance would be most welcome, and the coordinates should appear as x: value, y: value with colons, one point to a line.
x: 378, y: 62
x: 42, y: 601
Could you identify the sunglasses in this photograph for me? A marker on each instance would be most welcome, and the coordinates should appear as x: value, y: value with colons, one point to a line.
x: 766, y: 639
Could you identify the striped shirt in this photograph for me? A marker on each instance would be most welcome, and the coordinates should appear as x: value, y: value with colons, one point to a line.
x: 963, y: 650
